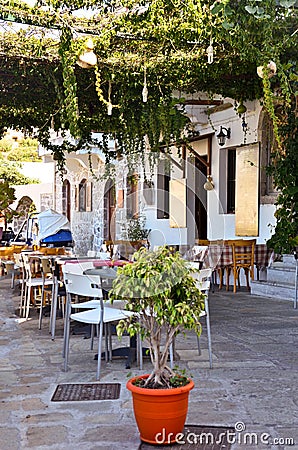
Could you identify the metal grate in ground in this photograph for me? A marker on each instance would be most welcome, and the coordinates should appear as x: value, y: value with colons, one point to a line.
x: 86, y: 392
x: 199, y: 437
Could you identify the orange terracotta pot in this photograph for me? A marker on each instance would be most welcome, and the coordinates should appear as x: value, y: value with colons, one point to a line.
x: 160, y: 413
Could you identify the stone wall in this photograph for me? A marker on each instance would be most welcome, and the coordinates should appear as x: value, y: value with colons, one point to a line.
x: 87, y: 226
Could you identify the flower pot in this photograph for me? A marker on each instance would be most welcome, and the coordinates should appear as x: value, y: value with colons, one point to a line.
x: 160, y: 413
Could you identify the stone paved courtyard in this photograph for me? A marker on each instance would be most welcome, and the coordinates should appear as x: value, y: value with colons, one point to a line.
x: 253, y: 383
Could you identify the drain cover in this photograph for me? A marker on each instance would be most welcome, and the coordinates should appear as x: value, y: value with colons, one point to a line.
x: 199, y: 437
x: 86, y: 392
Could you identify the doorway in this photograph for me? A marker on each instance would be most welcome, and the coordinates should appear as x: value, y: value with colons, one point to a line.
x: 110, y: 211
x: 200, y: 198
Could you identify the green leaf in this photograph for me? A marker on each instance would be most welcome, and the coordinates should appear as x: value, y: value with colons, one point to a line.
x: 287, y: 3
x: 227, y: 25
x: 216, y: 8
x: 251, y: 9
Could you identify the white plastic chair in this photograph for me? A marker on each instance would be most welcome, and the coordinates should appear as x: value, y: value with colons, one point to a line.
x: 78, y: 268
x: 203, y: 278
x: 12, y: 269
x: 203, y: 283
x: 19, y: 262
x: 47, y: 276
x: 100, y: 314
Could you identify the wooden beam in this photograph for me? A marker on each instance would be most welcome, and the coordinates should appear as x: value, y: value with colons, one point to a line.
x: 219, y: 108
x: 201, y: 102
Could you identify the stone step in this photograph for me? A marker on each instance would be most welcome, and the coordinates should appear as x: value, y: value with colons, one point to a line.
x: 289, y: 260
x: 281, y: 274
x: 281, y: 291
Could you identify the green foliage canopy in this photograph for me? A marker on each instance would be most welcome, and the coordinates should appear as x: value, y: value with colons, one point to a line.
x: 167, y: 40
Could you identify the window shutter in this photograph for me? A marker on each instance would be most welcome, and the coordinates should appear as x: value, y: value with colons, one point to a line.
x: 76, y: 197
x: 89, y: 196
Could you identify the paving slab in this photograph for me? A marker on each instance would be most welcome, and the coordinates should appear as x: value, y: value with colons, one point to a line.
x: 252, y: 386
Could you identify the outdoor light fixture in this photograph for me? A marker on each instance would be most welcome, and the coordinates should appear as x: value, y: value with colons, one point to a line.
x: 209, y: 185
x: 223, y: 135
x: 145, y: 89
x: 87, y: 59
x: 244, y: 125
x: 109, y: 104
x: 209, y: 52
x: 244, y: 128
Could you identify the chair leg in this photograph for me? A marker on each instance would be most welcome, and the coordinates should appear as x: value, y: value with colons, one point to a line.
x: 53, y: 312
x: 199, y: 345
x: 100, y: 333
x: 110, y: 345
x: 220, y: 278
x: 247, y: 279
x: 41, y: 307
x: 27, y: 306
x: 92, y: 337
x: 106, y: 328
x: 22, y: 299
x: 66, y: 344
x: 235, y: 280
x: 66, y: 324
x: 238, y: 278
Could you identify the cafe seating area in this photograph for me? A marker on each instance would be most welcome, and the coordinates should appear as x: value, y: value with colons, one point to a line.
x: 75, y: 288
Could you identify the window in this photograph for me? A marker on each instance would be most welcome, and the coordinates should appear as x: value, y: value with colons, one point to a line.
x: 84, y: 196
x: 132, y: 196
x: 231, y: 180
x: 148, y: 192
x: 163, y: 190
x: 66, y: 198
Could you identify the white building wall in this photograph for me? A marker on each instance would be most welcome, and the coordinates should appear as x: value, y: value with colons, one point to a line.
x: 42, y: 193
x: 87, y: 227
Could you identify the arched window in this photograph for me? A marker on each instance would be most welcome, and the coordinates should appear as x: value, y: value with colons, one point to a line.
x: 66, y: 199
x: 109, y: 210
x: 84, y: 196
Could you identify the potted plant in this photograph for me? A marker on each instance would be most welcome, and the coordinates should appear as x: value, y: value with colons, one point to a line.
x: 159, y: 287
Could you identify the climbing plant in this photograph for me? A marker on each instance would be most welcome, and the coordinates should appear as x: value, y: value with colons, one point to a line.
x: 166, y: 40
x: 284, y: 169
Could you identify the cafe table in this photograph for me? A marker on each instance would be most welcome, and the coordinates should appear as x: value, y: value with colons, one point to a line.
x: 219, y: 255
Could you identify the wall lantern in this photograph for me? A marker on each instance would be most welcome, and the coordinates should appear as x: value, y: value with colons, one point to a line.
x: 223, y: 135
x: 88, y: 59
x: 209, y: 185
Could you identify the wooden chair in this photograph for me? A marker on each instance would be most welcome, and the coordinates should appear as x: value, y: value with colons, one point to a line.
x: 202, y: 242
x: 215, y: 251
x: 243, y: 258
x: 32, y: 286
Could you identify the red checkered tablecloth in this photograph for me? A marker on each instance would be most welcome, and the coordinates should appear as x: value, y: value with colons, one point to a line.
x: 220, y: 256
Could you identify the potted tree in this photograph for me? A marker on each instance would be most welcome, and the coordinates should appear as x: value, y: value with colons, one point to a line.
x: 158, y: 286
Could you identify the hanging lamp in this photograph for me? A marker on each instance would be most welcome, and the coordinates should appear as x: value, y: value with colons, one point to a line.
x: 209, y: 52
x: 110, y: 106
x: 88, y: 59
x: 145, y: 89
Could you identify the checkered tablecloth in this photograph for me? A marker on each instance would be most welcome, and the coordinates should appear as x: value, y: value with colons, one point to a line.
x: 220, y: 256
